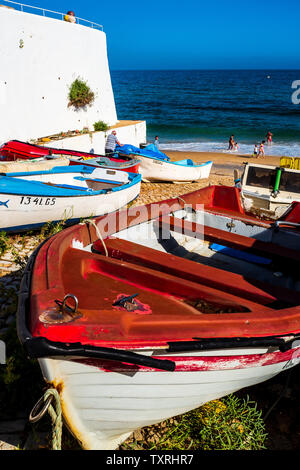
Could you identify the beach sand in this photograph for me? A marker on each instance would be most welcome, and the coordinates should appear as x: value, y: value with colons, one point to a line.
x: 221, y: 173
x: 225, y: 161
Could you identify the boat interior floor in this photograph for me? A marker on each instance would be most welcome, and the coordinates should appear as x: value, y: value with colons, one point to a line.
x: 246, y: 261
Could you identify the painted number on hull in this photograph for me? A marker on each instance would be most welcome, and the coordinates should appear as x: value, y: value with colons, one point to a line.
x: 38, y: 201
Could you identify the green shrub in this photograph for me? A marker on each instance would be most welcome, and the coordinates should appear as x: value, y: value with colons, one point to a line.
x: 226, y: 424
x: 4, y: 243
x: 80, y: 94
x: 100, y: 126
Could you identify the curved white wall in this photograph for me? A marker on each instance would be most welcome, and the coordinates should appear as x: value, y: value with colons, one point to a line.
x: 39, y: 59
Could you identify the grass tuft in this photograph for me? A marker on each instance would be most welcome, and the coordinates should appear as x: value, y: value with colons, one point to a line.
x: 227, y: 424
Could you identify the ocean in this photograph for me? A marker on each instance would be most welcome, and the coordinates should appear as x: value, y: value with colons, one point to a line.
x: 198, y: 110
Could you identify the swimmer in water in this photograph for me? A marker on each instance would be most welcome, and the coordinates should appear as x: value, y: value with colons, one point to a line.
x: 231, y: 142
x: 269, y: 138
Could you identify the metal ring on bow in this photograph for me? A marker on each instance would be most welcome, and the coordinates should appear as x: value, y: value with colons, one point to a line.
x: 33, y: 418
x: 66, y: 307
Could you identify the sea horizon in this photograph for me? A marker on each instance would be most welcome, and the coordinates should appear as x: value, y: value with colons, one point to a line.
x: 204, y: 70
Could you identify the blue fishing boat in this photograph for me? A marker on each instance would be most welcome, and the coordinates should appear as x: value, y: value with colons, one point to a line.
x: 30, y: 199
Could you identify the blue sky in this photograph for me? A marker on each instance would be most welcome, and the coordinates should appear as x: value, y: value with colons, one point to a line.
x: 193, y: 34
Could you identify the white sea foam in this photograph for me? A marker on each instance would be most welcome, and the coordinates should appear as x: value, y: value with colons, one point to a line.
x: 276, y: 149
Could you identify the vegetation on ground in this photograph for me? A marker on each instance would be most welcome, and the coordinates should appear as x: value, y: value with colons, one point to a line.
x: 4, y: 242
x: 227, y: 424
x: 51, y: 228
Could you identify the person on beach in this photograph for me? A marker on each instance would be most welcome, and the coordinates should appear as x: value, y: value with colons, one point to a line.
x: 70, y: 17
x: 111, y: 143
x: 255, y: 151
x: 269, y: 138
x: 231, y: 142
x: 156, y: 142
x: 261, y: 149
x: 236, y: 146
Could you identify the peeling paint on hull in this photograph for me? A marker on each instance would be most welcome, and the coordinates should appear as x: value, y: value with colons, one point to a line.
x: 102, y: 406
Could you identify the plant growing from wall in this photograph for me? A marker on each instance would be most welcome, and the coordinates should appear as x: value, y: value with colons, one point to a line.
x: 100, y: 126
x: 80, y: 94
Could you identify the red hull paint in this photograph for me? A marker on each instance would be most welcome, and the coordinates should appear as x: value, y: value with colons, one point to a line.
x: 204, y: 363
x: 16, y: 150
x: 97, y: 281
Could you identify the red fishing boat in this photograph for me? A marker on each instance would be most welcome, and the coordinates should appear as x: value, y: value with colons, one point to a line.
x: 151, y: 311
x: 17, y: 150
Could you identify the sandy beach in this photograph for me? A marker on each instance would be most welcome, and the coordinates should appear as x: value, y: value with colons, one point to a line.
x: 225, y: 161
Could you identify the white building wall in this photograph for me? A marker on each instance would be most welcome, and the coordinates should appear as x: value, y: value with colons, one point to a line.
x: 40, y: 57
x: 133, y: 134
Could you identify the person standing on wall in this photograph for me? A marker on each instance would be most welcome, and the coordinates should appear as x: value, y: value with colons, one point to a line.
x: 111, y: 143
x: 70, y: 17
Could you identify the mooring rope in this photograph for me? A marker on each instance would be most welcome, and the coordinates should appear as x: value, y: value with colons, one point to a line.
x: 43, y: 405
x: 56, y: 417
x: 91, y: 222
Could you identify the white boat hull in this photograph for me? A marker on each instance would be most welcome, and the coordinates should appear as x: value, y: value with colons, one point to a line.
x: 31, y: 211
x: 153, y: 169
x: 26, y: 211
x: 268, y: 203
x: 102, y: 407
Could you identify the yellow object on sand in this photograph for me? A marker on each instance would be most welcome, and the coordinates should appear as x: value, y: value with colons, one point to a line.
x: 287, y: 162
x: 46, y: 139
x: 297, y: 163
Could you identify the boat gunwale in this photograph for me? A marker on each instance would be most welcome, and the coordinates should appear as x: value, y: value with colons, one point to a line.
x: 42, y: 189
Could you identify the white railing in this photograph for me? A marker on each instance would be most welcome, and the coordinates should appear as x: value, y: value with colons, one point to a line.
x: 53, y: 14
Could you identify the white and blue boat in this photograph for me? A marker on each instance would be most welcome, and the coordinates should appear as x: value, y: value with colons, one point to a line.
x: 30, y: 199
x: 157, y: 166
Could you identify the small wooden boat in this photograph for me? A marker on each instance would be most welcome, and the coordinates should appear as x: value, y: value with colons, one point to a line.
x: 29, y: 199
x: 156, y: 166
x: 135, y: 318
x: 269, y: 189
x: 17, y: 150
x: 36, y: 164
